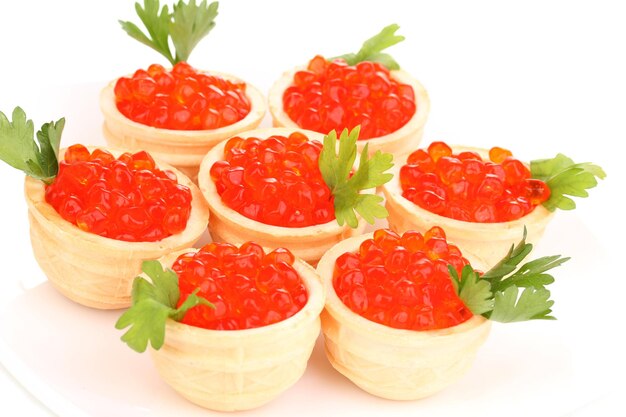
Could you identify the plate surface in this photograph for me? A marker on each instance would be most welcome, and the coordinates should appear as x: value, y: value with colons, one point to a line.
x: 70, y: 357
x: 73, y: 355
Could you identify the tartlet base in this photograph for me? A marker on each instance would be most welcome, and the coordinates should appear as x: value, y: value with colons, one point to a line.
x: 92, y: 270
x: 183, y: 149
x: 393, y: 363
x: 240, y: 369
x: 227, y: 225
x: 398, y: 143
x: 488, y: 242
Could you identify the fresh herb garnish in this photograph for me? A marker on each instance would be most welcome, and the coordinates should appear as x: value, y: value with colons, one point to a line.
x: 186, y: 25
x: 19, y: 149
x: 373, y: 47
x: 495, y: 294
x: 336, y: 169
x: 152, y: 304
x: 565, y: 177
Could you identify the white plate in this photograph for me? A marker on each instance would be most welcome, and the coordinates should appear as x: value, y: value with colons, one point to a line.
x: 70, y: 357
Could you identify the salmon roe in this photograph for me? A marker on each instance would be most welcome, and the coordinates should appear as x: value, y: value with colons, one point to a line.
x: 126, y: 198
x: 403, y: 281
x: 335, y: 95
x: 276, y: 181
x: 465, y: 187
x: 248, y: 287
x: 181, y: 99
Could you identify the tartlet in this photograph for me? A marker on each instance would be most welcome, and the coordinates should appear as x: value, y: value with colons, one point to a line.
x: 92, y: 270
x: 387, y: 362
x: 400, y: 142
x: 227, y: 225
x: 488, y: 242
x: 230, y: 370
x: 184, y: 149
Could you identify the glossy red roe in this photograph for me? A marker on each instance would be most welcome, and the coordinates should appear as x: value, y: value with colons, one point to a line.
x: 465, y: 187
x: 126, y: 198
x: 402, y: 281
x: 181, y: 99
x: 275, y: 181
x: 248, y: 287
x: 334, y: 95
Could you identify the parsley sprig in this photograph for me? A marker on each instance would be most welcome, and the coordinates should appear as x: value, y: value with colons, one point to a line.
x: 496, y: 294
x: 152, y: 304
x: 18, y: 148
x: 373, y: 47
x: 345, y: 188
x: 565, y: 177
x: 186, y: 25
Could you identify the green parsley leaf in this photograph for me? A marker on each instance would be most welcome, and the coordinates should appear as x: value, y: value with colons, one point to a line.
x: 152, y: 304
x: 531, y: 274
x: 495, y: 294
x: 19, y: 149
x: 533, y: 304
x: 475, y: 292
x: 509, y: 263
x: 565, y: 177
x: 190, y: 24
x: 373, y: 47
x: 186, y: 25
x: 157, y: 24
x: 336, y: 168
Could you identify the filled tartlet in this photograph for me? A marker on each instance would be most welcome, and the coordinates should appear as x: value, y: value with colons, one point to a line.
x: 483, y: 199
x: 366, y: 89
x: 177, y: 114
x: 96, y: 214
x: 406, y: 314
x: 285, y: 187
x: 230, y: 327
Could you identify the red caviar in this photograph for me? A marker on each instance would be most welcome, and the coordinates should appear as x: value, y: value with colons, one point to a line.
x: 335, y: 95
x: 248, y: 287
x: 181, y: 99
x: 275, y: 181
x: 465, y: 187
x: 126, y: 198
x: 403, y: 281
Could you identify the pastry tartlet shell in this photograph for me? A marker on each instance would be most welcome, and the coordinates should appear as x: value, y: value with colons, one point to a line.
x: 92, y: 270
x: 398, y: 143
x: 183, y: 149
x: 395, y: 364
x: 227, y: 225
x: 488, y: 242
x: 233, y: 370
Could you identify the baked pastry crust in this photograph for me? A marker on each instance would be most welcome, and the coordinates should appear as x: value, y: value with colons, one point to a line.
x: 92, y: 270
x: 393, y: 363
x: 227, y: 225
x: 240, y: 369
x: 400, y: 142
x: 184, y: 149
x: 489, y: 242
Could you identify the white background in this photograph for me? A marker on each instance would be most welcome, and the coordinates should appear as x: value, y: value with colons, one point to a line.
x: 537, y: 77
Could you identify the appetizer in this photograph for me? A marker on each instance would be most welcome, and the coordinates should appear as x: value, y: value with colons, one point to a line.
x: 96, y: 214
x: 366, y: 89
x: 483, y: 199
x: 406, y: 314
x: 230, y: 327
x: 179, y: 113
